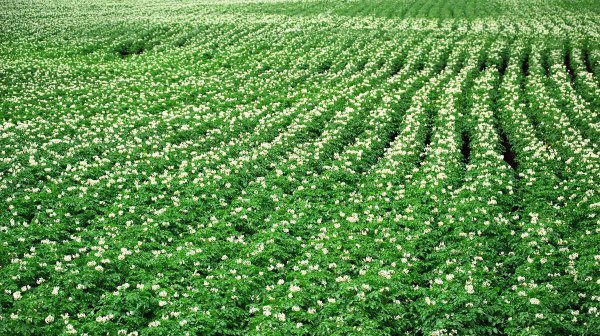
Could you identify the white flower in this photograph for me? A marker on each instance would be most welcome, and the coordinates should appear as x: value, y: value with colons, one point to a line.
x: 71, y: 329
x: 385, y: 273
x: 49, y: 319
x: 154, y: 324
x: 534, y: 301
x: 17, y: 295
x: 353, y: 218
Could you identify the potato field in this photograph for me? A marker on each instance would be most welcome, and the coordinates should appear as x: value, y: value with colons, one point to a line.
x: 300, y: 167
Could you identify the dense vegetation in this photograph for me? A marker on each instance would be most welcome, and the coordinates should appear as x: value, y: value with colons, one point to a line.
x: 383, y: 167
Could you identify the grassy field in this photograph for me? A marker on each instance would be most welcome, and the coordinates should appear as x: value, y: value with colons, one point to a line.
x: 304, y: 167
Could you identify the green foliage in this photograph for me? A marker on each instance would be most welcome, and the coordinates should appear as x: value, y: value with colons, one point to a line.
x: 300, y: 167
